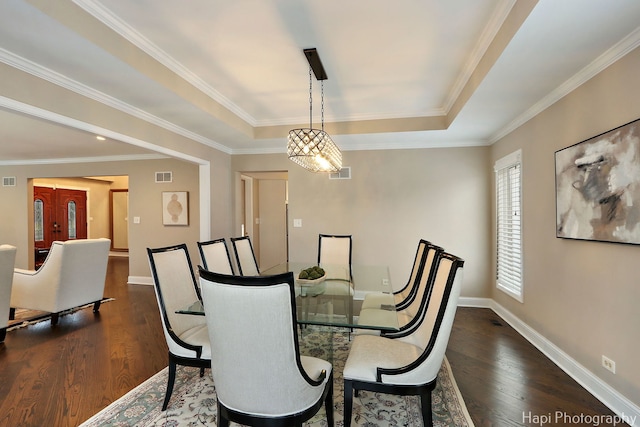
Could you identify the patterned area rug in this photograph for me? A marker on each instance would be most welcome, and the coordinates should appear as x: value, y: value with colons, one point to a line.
x: 193, y: 402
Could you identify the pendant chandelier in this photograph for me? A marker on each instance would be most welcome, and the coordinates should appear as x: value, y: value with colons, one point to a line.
x: 313, y: 149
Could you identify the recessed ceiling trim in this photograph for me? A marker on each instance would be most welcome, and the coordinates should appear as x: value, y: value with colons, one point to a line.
x: 58, y: 79
x: 484, y: 42
x: 112, y: 21
x: 620, y: 49
x: 93, y: 129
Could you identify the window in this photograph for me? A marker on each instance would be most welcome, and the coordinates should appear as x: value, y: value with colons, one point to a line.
x: 71, y: 212
x: 38, y: 213
x: 509, y: 224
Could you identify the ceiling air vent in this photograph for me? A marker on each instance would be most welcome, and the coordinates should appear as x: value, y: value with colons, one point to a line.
x: 344, y: 173
x: 164, y: 176
x: 9, y: 181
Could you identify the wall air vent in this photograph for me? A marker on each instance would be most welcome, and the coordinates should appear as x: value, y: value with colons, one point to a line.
x: 344, y: 173
x: 164, y: 177
x: 8, y: 181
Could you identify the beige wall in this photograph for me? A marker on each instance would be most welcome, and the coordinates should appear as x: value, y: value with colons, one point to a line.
x: 395, y: 197
x: 582, y: 296
x: 144, y: 202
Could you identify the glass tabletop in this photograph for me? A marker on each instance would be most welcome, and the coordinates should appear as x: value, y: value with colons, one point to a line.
x: 335, y: 299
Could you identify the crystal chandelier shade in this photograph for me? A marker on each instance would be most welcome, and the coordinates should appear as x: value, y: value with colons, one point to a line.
x: 313, y: 149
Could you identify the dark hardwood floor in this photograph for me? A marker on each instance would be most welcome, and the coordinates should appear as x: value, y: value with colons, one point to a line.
x: 60, y: 376
x: 506, y: 381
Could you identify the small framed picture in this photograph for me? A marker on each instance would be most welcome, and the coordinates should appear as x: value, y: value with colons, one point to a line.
x: 175, y: 208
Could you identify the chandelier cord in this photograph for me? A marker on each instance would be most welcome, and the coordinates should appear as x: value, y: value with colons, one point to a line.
x: 322, y: 103
x: 310, y: 99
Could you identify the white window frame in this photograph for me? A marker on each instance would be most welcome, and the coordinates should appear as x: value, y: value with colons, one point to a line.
x: 509, y: 248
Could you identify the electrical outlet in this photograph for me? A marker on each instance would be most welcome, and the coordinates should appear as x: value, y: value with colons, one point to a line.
x: 608, y: 364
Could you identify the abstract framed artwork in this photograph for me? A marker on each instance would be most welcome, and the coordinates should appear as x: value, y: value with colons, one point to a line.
x: 598, y: 187
x: 175, y: 208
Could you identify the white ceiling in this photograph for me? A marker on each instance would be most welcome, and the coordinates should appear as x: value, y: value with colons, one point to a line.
x: 231, y: 75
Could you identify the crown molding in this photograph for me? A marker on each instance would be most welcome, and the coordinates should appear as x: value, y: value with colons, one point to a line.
x: 112, y: 21
x: 60, y: 80
x: 617, y: 51
x: 81, y: 160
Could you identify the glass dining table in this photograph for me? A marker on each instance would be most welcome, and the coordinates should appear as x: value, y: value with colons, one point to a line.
x: 335, y: 299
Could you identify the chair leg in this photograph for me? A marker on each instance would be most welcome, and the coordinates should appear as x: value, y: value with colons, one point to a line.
x: 222, y: 421
x: 201, y: 372
x: 328, y: 403
x: 54, y: 318
x: 12, y: 313
x: 425, y: 403
x: 96, y: 306
x: 171, y: 380
x: 3, y: 334
x: 348, y: 402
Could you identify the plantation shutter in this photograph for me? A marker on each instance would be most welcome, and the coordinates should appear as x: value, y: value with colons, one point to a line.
x: 509, y: 225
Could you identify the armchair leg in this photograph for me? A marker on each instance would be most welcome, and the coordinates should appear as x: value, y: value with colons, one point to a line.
x: 348, y: 402
x: 425, y: 403
x: 54, y: 318
x: 222, y: 421
x: 96, y: 306
x: 172, y: 379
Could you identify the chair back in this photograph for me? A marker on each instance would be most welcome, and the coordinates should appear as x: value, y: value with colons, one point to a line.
x: 425, y: 277
x: 175, y: 287
x: 7, y: 263
x: 81, y: 266
x: 245, y: 257
x: 257, y: 367
x: 215, y: 256
x: 404, y: 296
x: 434, y: 328
x: 334, y: 255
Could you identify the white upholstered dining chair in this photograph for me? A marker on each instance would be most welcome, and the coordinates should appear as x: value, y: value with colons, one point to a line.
x: 176, y: 288
x: 73, y: 274
x: 7, y: 262
x: 260, y: 377
x: 245, y: 257
x: 215, y: 256
x: 402, y: 296
x: 407, y: 315
x: 407, y: 363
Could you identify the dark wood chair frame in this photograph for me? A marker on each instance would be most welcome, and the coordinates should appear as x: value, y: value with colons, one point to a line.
x: 174, y: 359
x: 422, y: 390
x: 226, y: 415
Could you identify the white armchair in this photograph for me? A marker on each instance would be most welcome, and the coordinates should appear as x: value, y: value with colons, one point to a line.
x: 7, y: 260
x: 72, y: 275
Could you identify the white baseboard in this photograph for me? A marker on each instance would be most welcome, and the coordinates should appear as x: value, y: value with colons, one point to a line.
x: 628, y: 411
x: 140, y: 280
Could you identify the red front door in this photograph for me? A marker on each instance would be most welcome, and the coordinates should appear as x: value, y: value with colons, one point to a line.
x: 59, y: 214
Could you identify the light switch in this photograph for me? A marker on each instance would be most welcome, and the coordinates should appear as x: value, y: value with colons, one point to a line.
x: 297, y: 223
x: 136, y: 220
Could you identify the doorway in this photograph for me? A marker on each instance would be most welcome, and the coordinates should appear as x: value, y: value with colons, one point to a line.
x: 119, y: 220
x: 263, y: 210
x: 60, y: 214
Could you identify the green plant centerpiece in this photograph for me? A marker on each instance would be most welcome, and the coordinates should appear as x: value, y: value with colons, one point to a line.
x: 311, y: 275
